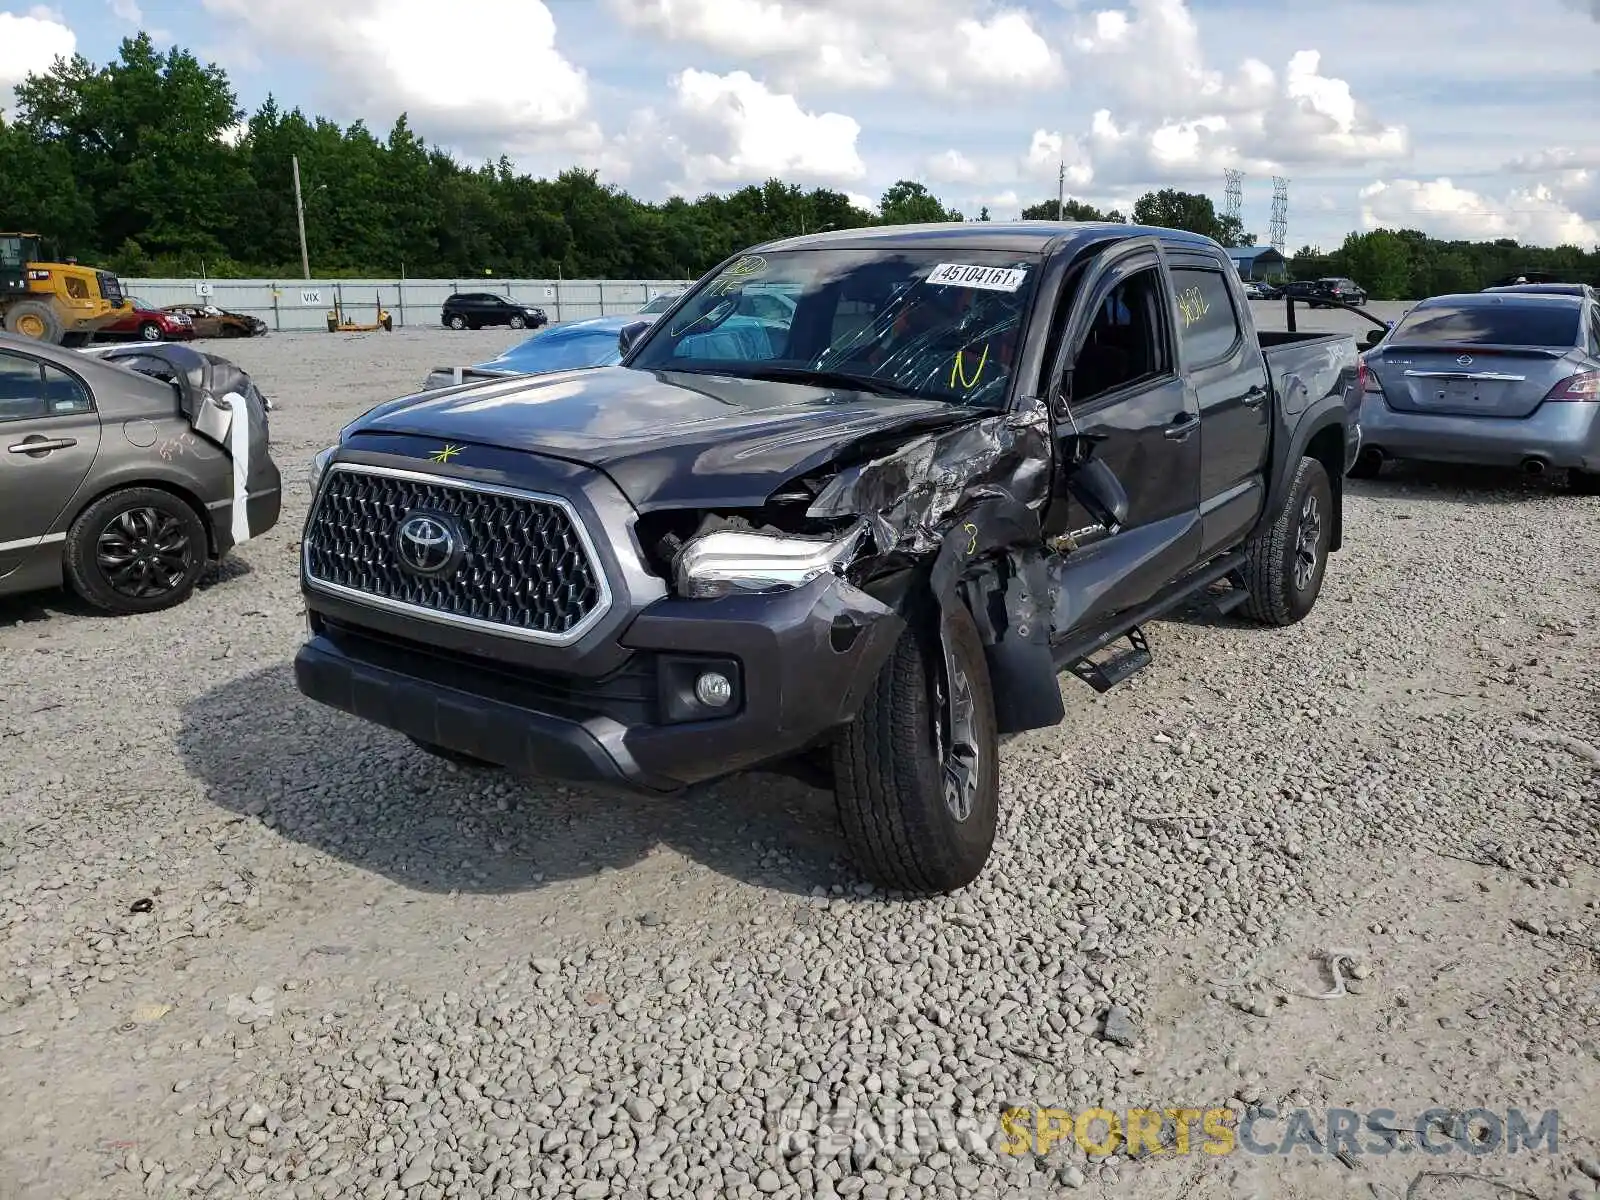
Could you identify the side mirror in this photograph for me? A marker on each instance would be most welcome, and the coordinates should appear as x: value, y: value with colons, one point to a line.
x: 629, y: 334
x: 1373, y: 338
x: 1095, y: 486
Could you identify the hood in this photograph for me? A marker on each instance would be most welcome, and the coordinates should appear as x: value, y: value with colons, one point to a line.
x: 668, y: 439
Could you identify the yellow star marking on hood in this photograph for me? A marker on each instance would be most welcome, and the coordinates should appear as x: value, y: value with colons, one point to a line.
x: 444, y: 454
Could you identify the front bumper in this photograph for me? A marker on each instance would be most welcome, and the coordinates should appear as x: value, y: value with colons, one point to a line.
x: 802, y: 661
x: 1564, y: 434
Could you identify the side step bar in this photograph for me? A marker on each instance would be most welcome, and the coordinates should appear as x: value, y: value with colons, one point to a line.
x: 1077, y: 654
x: 1104, y: 675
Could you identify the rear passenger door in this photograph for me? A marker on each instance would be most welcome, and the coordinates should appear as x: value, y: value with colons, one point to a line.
x: 49, y: 434
x: 1226, y: 375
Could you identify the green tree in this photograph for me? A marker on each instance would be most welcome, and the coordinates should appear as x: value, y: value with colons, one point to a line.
x: 1174, y: 209
x: 1379, y: 261
x: 1071, y: 210
x: 909, y: 203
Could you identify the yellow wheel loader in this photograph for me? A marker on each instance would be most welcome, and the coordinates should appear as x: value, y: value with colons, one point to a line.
x: 57, y: 302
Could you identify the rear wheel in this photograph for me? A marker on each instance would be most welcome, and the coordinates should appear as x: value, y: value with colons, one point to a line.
x: 1288, y: 557
x: 1583, y: 483
x: 36, y: 320
x: 916, y: 774
x: 138, y: 550
x: 1367, y: 466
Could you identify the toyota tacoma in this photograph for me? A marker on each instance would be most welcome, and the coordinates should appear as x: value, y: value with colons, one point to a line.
x: 857, y: 544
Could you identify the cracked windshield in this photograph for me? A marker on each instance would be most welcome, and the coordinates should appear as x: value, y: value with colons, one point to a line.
x: 941, y: 326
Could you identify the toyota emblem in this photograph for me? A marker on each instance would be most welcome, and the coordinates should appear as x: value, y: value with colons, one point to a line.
x: 428, y: 545
x: 1464, y: 361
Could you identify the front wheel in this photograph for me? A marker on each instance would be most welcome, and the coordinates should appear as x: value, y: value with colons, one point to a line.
x: 1287, y: 558
x: 138, y: 550
x: 916, y: 774
x: 519, y: 322
x: 458, y: 322
x: 150, y: 331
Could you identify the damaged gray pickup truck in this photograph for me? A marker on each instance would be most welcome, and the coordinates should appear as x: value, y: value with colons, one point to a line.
x: 852, y: 531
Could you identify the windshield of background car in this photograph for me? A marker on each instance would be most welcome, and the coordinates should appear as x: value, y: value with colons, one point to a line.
x: 596, y: 348
x: 944, y: 324
x: 1535, y: 324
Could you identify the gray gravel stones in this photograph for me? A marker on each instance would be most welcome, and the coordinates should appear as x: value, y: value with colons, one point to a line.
x: 365, y: 974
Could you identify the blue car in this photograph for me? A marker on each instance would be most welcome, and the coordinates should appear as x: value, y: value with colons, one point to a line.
x: 591, y: 342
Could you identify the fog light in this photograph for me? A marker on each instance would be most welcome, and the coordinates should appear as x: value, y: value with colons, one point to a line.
x: 713, y: 690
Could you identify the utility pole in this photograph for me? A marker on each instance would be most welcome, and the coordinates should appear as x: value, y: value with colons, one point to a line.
x: 1061, y: 192
x: 300, y: 217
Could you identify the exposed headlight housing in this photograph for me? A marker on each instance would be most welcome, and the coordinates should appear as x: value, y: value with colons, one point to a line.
x: 730, y: 562
x: 319, y: 466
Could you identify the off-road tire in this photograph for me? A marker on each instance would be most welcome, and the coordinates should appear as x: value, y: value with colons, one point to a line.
x: 453, y: 756
x: 1276, y: 598
x: 81, y: 555
x: 43, y: 313
x: 889, y: 782
x: 457, y: 322
x: 1583, y: 483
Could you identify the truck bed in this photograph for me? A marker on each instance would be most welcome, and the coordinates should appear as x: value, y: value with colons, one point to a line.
x: 1308, y: 366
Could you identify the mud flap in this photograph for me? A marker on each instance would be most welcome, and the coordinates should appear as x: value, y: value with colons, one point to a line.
x: 1011, y: 611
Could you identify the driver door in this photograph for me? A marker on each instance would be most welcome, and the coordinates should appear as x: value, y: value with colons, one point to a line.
x: 1120, y: 384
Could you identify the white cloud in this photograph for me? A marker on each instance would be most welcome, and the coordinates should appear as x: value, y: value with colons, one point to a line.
x: 952, y: 166
x: 941, y: 45
x: 488, y: 75
x: 730, y: 130
x: 1172, y: 118
x: 28, y: 45
x: 1555, y: 158
x: 126, y: 10
x: 1535, y: 215
x: 1046, y: 154
x: 865, y: 203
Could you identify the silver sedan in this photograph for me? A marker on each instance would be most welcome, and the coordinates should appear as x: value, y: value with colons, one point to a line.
x: 1489, y: 378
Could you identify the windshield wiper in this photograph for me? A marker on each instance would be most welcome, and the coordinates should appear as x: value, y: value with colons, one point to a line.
x: 843, y: 379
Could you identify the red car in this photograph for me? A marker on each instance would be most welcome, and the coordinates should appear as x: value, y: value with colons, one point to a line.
x: 149, y: 323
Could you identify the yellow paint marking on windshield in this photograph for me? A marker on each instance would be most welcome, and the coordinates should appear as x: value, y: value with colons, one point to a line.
x: 958, y: 369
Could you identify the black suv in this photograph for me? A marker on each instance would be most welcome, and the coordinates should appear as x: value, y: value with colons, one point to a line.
x: 474, y: 310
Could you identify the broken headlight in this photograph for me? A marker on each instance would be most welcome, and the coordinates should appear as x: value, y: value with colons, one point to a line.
x: 731, y: 561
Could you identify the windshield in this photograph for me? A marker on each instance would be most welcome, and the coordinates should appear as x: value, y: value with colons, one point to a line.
x: 661, y: 303
x: 1536, y: 324
x: 940, y: 324
x: 561, y: 352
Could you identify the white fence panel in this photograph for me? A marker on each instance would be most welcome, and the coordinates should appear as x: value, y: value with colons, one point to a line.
x: 295, y: 304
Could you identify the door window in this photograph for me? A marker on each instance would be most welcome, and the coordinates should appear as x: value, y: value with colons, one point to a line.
x: 30, y: 389
x: 1594, y: 333
x: 1127, y: 343
x: 1207, y: 325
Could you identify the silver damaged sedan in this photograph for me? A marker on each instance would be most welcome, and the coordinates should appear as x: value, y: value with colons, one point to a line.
x: 1494, y: 379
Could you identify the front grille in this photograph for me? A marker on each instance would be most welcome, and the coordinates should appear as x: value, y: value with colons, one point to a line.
x: 523, y: 567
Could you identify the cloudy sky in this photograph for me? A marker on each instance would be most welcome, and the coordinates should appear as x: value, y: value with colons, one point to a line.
x: 1465, y: 118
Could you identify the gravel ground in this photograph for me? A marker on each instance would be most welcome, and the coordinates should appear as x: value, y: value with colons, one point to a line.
x: 251, y: 947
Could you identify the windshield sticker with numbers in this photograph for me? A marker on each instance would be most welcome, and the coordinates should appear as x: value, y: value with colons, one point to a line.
x: 992, y: 279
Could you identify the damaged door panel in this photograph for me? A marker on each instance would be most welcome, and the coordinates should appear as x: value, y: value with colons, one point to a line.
x: 853, y: 536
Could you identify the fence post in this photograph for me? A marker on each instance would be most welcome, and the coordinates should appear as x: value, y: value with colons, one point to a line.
x: 600, y: 286
x: 558, y: 299
x: 277, y: 317
x: 400, y: 301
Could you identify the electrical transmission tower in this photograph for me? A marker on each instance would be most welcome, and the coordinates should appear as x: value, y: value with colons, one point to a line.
x: 1280, y: 212
x: 1235, y: 203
